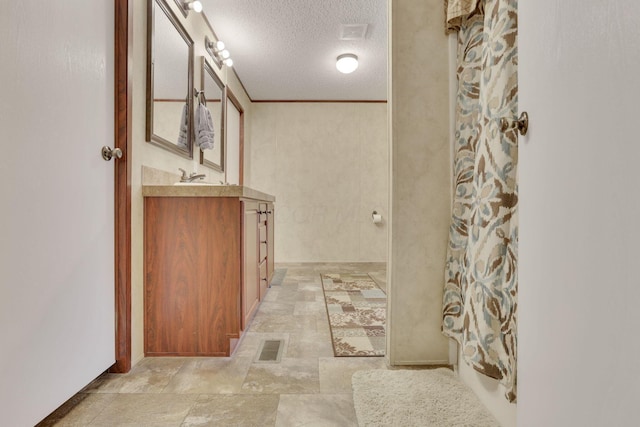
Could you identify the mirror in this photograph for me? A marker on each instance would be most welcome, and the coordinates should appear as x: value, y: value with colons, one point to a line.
x: 211, y: 98
x: 169, y: 81
x: 234, y: 139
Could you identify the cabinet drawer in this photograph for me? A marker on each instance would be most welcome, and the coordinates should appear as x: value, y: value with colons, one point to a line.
x: 263, y: 271
x: 262, y: 208
x: 263, y: 233
x: 264, y: 281
x: 263, y: 252
x: 263, y: 243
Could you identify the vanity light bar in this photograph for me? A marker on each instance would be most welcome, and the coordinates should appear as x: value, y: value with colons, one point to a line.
x: 218, y: 52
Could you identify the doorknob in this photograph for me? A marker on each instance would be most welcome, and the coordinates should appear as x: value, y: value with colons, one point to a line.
x: 522, y: 124
x: 108, y: 153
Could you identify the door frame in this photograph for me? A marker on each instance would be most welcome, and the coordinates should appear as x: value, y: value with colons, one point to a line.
x: 122, y: 139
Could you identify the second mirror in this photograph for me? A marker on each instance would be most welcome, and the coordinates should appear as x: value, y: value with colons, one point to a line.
x: 209, y: 128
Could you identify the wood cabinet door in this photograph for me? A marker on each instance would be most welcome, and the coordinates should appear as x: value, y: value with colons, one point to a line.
x: 192, y: 275
x: 250, y: 279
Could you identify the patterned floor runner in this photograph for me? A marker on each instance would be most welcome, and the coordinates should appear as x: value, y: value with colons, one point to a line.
x: 357, y: 308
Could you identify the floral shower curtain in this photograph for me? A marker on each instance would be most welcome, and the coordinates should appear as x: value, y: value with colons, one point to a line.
x: 480, y: 292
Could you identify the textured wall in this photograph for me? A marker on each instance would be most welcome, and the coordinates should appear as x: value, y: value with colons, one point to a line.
x: 420, y: 187
x: 327, y: 165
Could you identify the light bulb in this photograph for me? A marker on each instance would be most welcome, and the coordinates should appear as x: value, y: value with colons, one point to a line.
x: 347, y: 63
x: 228, y: 62
x: 219, y: 45
x: 225, y: 54
x: 195, y: 5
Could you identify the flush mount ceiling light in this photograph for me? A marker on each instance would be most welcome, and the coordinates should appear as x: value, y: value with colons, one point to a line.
x: 347, y: 63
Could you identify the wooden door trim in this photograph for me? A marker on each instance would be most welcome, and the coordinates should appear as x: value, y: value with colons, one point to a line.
x: 122, y: 127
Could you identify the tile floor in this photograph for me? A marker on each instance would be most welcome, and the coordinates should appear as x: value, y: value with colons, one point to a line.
x: 307, y: 387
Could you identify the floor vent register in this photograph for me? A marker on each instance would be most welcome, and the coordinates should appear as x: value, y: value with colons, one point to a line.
x: 270, y: 351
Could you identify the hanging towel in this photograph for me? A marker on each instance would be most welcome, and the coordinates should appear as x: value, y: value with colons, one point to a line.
x: 204, y: 127
x: 184, y: 127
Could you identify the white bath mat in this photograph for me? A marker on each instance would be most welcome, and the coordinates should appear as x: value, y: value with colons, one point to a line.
x: 424, y: 398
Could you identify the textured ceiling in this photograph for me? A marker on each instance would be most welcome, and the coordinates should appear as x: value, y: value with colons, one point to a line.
x: 287, y: 49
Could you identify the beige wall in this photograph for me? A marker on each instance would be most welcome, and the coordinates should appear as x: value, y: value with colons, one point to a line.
x: 327, y: 164
x: 146, y: 154
x: 420, y: 181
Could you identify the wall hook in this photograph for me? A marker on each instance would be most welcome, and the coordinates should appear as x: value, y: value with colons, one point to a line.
x: 199, y: 94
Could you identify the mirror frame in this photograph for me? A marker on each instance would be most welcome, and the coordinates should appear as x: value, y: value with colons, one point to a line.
x: 150, y: 136
x: 182, y: 7
x: 206, y: 68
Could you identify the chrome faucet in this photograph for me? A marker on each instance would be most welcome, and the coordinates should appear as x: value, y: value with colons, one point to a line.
x: 192, y: 177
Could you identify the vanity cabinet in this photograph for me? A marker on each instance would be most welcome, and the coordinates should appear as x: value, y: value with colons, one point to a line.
x: 258, y: 255
x: 202, y: 272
